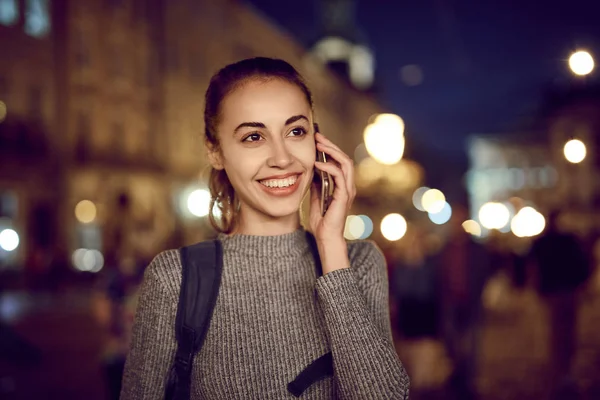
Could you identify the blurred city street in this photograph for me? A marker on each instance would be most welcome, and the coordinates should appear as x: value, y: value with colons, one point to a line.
x: 472, y: 134
x: 511, y: 367
x: 63, y: 328
x: 513, y: 355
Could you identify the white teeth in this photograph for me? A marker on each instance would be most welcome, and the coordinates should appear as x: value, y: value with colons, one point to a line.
x: 280, y: 183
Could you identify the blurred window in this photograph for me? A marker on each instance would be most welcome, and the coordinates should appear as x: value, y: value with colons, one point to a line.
x: 9, y: 12
x: 37, y: 18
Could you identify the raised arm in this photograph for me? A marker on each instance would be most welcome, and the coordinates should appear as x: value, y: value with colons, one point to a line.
x: 355, y: 303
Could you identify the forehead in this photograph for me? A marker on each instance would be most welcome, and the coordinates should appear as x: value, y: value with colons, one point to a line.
x: 264, y: 101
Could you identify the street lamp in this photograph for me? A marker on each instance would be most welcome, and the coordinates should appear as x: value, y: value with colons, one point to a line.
x: 581, y: 63
x: 575, y: 151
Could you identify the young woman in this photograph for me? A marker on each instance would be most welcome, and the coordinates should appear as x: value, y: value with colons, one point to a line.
x: 274, y: 314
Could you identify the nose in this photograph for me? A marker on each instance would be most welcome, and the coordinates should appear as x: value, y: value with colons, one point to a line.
x: 280, y: 156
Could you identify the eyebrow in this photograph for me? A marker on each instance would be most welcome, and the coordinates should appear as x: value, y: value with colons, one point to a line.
x: 289, y: 121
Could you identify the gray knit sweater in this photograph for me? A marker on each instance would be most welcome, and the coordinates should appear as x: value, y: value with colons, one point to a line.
x: 273, y: 317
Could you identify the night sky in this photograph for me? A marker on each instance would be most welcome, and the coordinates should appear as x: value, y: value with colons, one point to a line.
x: 484, y: 63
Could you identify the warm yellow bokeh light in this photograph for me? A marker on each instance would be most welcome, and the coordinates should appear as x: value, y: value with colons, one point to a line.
x: 494, y: 215
x: 575, y: 151
x: 391, y: 121
x: 384, y: 139
x: 528, y: 223
x: 355, y: 227
x: 433, y: 201
x: 417, y: 197
x: 198, y: 202
x: 581, y: 63
x: 85, y: 211
x: 393, y: 227
x: 472, y: 227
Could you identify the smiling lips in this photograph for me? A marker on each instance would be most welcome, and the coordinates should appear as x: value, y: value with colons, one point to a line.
x: 283, y: 186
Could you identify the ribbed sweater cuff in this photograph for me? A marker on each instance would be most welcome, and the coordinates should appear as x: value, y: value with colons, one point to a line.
x: 339, y: 291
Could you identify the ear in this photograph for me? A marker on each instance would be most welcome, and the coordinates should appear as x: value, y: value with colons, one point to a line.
x: 214, y: 156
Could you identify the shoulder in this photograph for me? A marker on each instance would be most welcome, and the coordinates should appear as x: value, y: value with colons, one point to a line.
x: 164, y: 271
x: 366, y: 257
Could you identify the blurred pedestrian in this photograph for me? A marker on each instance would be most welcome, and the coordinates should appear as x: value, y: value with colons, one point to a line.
x: 463, y: 267
x: 116, y: 295
x: 115, y: 302
x: 560, y: 268
x: 416, y: 313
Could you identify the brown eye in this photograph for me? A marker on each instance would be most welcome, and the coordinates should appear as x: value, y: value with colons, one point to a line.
x: 253, y: 137
x: 297, y: 132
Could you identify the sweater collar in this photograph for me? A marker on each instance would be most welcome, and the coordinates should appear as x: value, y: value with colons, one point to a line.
x: 289, y: 244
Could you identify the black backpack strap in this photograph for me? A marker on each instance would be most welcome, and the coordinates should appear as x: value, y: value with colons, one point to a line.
x: 322, y: 367
x: 202, y: 265
x: 319, y: 369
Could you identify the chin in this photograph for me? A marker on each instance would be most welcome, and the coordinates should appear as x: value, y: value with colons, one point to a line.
x: 282, y: 211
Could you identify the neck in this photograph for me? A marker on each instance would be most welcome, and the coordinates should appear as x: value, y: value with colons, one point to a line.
x: 262, y: 225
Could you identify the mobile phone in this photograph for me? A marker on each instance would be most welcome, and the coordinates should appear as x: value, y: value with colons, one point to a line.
x: 325, y: 180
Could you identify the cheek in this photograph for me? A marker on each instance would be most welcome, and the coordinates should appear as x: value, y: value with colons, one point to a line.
x: 241, y: 164
x: 306, y: 154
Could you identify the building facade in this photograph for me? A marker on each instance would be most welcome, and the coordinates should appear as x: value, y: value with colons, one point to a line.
x: 104, y: 98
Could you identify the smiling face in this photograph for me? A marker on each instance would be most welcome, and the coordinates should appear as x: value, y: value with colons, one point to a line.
x: 267, y: 148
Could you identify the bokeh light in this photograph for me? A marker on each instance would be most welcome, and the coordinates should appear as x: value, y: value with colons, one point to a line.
x: 528, y: 223
x: 384, y: 139
x: 494, y: 215
x: 417, y: 198
x: 442, y: 216
x: 411, y: 75
x: 9, y: 239
x: 393, y: 227
x: 575, y: 151
x: 368, y: 226
x: 355, y: 227
x: 85, y: 211
x: 88, y: 260
x: 472, y: 227
x: 358, y: 227
x: 198, y: 202
x: 433, y: 201
x: 581, y: 63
